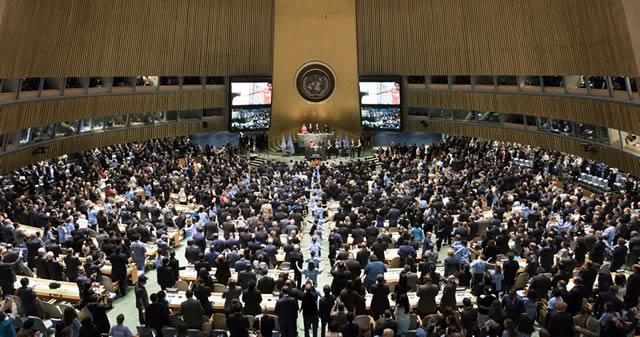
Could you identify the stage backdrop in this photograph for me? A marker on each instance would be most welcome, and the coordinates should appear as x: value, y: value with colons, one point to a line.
x: 314, y: 31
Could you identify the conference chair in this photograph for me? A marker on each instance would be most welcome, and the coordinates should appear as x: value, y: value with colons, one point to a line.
x: 392, y: 285
x: 144, y: 329
x: 219, y: 321
x: 44, y: 326
x: 27, y: 271
x: 365, y: 323
x: 175, y: 321
x: 285, y: 266
x: 64, y: 307
x: 521, y: 281
x: 182, y: 285
x: 395, y: 262
x: 219, y: 288
x: 108, y: 284
x: 193, y: 332
x: 18, y: 323
x: 169, y: 332
x: 92, y: 233
x: 414, y: 321
x: 49, y: 309
x: 276, y: 326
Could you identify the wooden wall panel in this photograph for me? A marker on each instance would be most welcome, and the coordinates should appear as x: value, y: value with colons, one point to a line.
x: 14, y: 117
x: 616, y: 158
x: 616, y: 115
x: 76, y: 38
x: 18, y: 159
x: 501, y: 37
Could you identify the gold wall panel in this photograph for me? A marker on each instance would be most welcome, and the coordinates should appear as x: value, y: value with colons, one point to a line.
x: 306, y: 31
x: 494, y: 37
x: 616, y: 115
x: 632, y: 14
x: 79, y: 38
x: 21, y: 158
x: 616, y: 158
x: 17, y: 116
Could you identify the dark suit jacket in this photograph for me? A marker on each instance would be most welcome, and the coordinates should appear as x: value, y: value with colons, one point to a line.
x: 252, y: 301
x: 72, y: 263
x: 238, y: 325
x: 156, y: 316
x: 118, y: 266
x: 192, y: 312
x: 142, y: 299
x: 287, y: 309
x: 28, y: 298
x: 54, y: 269
x: 166, y: 277
x: 427, y: 302
x: 541, y: 285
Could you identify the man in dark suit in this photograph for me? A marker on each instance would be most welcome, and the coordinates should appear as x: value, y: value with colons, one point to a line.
x: 287, y: 312
x: 211, y: 227
x: 200, y: 240
x: 166, y: 276
x: 358, y: 234
x: 427, y: 298
x: 451, y: 264
x: 363, y: 255
x: 192, y: 252
x: 142, y: 299
x: 510, y: 270
x: 541, y: 284
x: 7, y: 275
x: 266, y: 284
x: 246, y: 276
x: 119, y: 269
x: 41, y: 264
x: 202, y: 293
x: 296, y: 259
x: 54, y: 267
x: 28, y: 298
x: 192, y: 312
x: 633, y: 288
x: 156, y: 315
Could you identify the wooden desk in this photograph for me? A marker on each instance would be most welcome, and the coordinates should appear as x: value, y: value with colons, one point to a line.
x: 176, y: 298
x: 28, y: 230
x: 68, y: 291
x: 190, y: 274
x: 413, y: 298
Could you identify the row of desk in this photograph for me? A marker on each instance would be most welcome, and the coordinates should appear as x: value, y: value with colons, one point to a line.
x: 269, y: 300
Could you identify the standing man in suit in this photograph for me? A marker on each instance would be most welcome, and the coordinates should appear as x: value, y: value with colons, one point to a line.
x: 139, y: 251
x: 7, y: 275
x: 287, y: 312
x: 28, y: 298
x: 156, y: 316
x: 427, y: 294
x: 142, y: 299
x: 166, y: 276
x: 119, y: 269
x: 192, y: 312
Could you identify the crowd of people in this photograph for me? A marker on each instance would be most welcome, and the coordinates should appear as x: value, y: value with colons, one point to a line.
x: 498, y: 223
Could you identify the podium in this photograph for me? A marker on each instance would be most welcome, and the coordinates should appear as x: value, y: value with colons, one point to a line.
x: 315, y: 153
